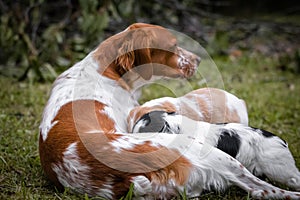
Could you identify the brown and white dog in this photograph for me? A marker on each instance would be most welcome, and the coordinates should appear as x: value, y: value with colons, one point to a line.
x: 206, y: 104
x: 83, y: 142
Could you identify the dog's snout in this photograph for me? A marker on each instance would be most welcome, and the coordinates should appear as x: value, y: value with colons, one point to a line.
x: 190, y: 56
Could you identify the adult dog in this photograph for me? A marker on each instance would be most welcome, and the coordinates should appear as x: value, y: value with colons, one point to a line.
x: 83, y: 144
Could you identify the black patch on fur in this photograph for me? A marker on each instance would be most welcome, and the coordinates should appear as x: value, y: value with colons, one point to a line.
x: 229, y: 142
x: 171, y: 113
x: 221, y: 123
x: 154, y: 122
x: 146, y: 118
x: 166, y: 128
x: 268, y: 134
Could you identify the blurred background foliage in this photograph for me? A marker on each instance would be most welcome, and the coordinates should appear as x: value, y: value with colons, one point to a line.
x: 41, y: 38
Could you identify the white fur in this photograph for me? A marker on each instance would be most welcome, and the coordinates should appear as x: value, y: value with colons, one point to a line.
x: 75, y: 169
x: 106, y: 190
x: 159, y: 101
x: 124, y: 143
x: 142, y: 186
x: 238, y: 105
x: 71, y: 170
x: 82, y: 81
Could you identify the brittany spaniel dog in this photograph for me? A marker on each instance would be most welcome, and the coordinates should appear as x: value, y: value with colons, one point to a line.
x: 205, y: 104
x: 261, y: 152
x: 83, y: 143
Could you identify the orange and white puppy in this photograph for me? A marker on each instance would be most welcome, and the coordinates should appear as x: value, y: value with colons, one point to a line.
x: 83, y: 144
x: 206, y: 104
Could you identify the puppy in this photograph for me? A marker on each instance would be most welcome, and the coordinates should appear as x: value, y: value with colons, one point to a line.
x: 205, y: 104
x: 260, y: 151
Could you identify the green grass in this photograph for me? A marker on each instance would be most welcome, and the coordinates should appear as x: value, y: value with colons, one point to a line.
x: 272, y: 96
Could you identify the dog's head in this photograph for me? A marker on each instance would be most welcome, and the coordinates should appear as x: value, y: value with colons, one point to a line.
x: 145, y: 50
x: 152, y: 122
x: 157, y: 110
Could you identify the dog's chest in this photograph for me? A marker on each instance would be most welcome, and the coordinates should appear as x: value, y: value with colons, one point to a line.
x: 83, y: 82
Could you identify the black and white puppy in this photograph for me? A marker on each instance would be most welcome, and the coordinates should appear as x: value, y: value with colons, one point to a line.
x: 260, y: 151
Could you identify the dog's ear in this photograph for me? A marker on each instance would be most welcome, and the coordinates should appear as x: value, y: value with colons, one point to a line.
x: 144, y: 67
x: 143, y: 41
x: 126, y: 55
x: 135, y: 52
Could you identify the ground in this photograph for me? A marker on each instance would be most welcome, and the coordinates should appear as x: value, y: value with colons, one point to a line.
x: 258, y: 62
x: 271, y: 93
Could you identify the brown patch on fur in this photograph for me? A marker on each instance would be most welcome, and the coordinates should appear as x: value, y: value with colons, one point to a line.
x: 202, y: 105
x: 172, y: 166
x: 107, y: 165
x: 158, y: 164
x: 221, y: 112
x: 88, y: 115
x: 188, y: 111
x: 46, y: 160
x: 73, y: 117
x: 213, y: 108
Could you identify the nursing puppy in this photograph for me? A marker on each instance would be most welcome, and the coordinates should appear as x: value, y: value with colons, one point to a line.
x: 206, y: 104
x: 260, y: 151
